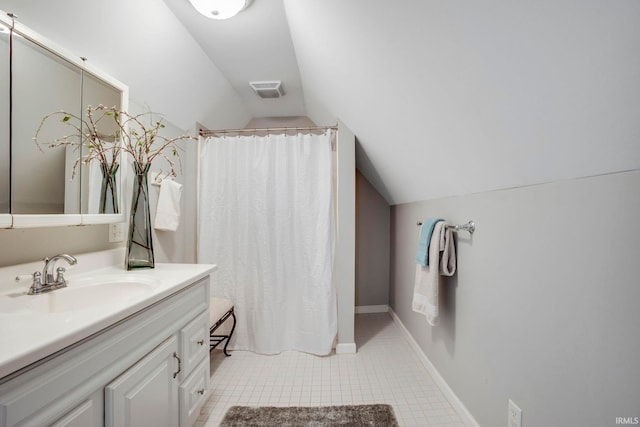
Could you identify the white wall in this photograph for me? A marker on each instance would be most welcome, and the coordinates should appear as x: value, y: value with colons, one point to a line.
x: 543, y: 308
x: 142, y: 44
x: 474, y: 96
x: 373, y: 215
x: 345, y: 245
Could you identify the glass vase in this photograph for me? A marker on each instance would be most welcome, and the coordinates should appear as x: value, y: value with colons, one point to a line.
x: 140, y: 244
x: 109, y: 189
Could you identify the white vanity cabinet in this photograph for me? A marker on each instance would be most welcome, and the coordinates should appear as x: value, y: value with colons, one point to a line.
x: 149, y: 369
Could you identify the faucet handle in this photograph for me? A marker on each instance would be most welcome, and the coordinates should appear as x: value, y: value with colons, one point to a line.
x: 36, y: 282
x: 60, y: 275
x: 35, y: 276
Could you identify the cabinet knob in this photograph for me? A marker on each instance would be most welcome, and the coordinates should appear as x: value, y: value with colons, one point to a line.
x: 201, y: 391
x: 200, y: 342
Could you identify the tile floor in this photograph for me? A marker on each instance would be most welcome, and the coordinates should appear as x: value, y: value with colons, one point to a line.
x: 384, y: 370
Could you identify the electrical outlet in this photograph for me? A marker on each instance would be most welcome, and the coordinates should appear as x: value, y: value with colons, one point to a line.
x: 116, y: 232
x: 514, y: 415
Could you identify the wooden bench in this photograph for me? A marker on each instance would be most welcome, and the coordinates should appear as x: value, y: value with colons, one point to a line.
x: 220, y: 309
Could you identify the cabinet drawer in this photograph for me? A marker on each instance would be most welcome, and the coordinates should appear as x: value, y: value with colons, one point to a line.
x: 193, y: 393
x: 194, y: 343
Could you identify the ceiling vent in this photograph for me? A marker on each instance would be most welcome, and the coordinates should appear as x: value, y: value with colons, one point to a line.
x: 268, y: 89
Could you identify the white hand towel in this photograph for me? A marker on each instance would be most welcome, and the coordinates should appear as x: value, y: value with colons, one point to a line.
x: 448, y: 249
x: 427, y: 282
x: 95, y: 183
x: 168, y: 210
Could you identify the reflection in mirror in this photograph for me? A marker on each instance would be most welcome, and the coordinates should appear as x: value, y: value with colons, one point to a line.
x: 100, y: 179
x: 40, y: 185
x: 42, y: 180
x: 5, y: 151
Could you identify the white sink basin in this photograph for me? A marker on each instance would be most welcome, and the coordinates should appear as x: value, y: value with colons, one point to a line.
x: 86, y: 293
x: 112, y: 279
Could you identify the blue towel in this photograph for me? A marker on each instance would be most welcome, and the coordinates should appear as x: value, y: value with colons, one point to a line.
x: 422, y: 257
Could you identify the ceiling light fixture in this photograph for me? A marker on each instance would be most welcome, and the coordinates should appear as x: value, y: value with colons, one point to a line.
x: 219, y: 9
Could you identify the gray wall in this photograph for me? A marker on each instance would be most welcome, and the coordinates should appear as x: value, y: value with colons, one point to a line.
x: 544, y: 308
x: 373, y: 215
x: 18, y: 246
x: 274, y: 122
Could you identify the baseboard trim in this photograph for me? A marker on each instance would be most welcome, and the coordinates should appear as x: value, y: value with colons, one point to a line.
x: 365, y: 309
x: 346, y: 348
x: 458, y: 406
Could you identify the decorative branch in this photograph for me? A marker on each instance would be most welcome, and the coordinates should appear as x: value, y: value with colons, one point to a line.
x: 133, y: 136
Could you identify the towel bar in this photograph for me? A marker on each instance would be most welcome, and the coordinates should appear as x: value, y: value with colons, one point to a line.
x: 470, y: 226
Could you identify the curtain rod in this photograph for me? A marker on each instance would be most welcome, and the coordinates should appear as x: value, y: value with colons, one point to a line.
x: 209, y: 132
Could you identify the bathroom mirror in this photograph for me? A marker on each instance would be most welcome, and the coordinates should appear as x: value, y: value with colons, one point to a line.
x: 42, y: 185
x: 96, y: 91
x: 41, y: 176
x: 4, y: 125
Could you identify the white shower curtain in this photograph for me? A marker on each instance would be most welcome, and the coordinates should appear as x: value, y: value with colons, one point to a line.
x: 266, y: 219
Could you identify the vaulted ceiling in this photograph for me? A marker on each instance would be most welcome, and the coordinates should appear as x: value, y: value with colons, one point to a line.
x: 255, y: 45
x: 446, y: 98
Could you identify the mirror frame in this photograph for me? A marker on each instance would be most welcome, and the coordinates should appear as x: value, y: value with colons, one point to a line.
x: 9, y: 220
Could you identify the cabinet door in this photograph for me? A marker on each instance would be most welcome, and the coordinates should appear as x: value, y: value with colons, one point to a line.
x: 86, y: 414
x: 147, y: 393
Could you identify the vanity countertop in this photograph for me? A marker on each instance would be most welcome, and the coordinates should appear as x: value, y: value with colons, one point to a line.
x: 35, y: 326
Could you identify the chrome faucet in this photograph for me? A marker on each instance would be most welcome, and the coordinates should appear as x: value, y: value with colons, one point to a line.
x: 47, y: 272
x: 45, y: 281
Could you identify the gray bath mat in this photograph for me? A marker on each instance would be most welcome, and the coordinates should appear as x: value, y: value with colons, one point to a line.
x: 314, y: 416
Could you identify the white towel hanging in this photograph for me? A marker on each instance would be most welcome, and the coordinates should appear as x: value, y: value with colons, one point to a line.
x: 427, y: 281
x: 447, y: 247
x: 168, y: 210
